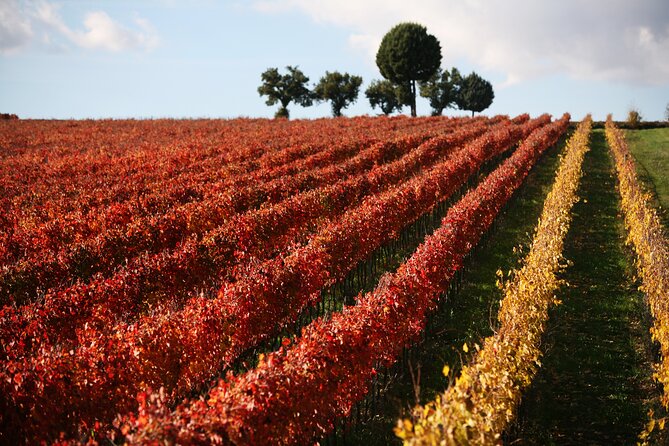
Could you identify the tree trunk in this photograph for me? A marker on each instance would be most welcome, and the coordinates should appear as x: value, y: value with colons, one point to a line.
x: 413, y: 98
x: 336, y: 108
x: 283, y: 110
x: 472, y: 113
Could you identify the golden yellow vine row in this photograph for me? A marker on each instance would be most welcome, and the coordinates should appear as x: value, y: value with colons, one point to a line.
x: 647, y: 236
x: 480, y: 404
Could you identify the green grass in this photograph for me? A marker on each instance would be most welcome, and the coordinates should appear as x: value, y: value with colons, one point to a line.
x: 595, y: 386
x: 651, y: 151
x: 467, y: 316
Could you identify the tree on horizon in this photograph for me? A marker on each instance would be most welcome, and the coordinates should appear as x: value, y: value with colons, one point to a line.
x: 389, y: 97
x: 340, y: 89
x: 284, y: 89
x: 442, y: 90
x: 476, y: 94
x: 408, y: 54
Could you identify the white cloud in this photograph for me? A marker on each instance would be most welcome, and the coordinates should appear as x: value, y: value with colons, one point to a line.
x: 15, y: 29
x: 367, y: 43
x: 614, y: 40
x: 103, y: 33
x: 41, y: 22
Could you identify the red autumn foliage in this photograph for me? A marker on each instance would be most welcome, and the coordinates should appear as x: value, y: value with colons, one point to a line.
x: 74, y: 356
x: 296, y: 393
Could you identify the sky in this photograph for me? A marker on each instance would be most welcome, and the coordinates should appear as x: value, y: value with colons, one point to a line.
x: 203, y: 58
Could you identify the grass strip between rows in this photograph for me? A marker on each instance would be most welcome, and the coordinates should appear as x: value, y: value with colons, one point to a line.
x: 647, y: 236
x: 479, y: 406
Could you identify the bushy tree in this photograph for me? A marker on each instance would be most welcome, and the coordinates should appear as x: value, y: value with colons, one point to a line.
x: 476, y: 94
x: 386, y: 95
x: 284, y: 89
x: 408, y: 54
x: 442, y: 90
x: 634, y: 118
x: 340, y: 89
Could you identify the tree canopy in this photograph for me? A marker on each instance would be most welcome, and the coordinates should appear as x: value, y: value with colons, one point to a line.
x: 442, y: 90
x: 340, y: 89
x: 476, y: 94
x: 408, y: 54
x: 386, y: 95
x: 284, y: 89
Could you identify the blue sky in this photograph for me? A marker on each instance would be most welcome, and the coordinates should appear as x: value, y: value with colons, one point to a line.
x: 203, y: 58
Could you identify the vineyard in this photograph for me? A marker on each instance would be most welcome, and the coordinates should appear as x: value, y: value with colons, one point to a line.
x: 259, y: 282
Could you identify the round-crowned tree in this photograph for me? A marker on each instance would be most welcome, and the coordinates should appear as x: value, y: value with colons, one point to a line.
x: 476, y: 94
x: 408, y: 54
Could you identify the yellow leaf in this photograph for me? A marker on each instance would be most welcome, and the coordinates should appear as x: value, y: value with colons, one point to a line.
x: 465, y: 348
x: 650, y: 426
x: 446, y: 370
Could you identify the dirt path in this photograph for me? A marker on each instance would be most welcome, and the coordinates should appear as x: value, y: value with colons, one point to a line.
x: 595, y: 384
